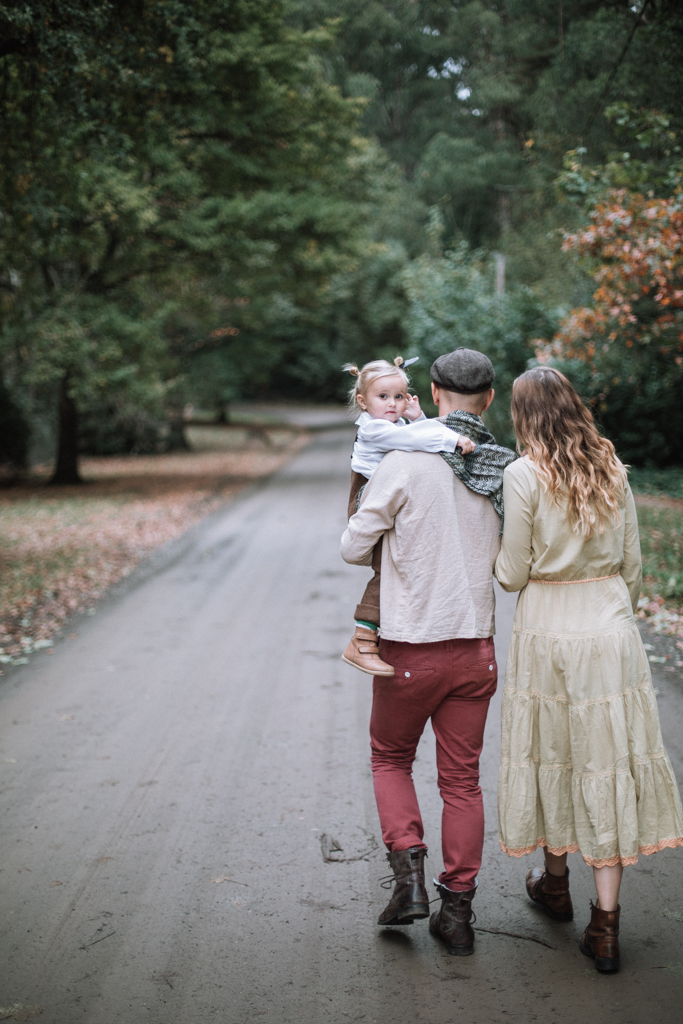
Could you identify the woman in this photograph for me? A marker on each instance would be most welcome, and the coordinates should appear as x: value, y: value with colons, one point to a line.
x: 583, y: 766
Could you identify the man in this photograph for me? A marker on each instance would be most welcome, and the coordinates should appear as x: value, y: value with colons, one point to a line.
x: 441, y: 538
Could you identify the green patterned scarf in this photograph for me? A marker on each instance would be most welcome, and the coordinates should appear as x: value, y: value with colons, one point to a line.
x: 481, y: 470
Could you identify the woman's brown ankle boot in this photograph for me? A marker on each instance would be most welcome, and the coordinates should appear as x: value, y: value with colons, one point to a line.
x: 601, y: 938
x: 551, y: 893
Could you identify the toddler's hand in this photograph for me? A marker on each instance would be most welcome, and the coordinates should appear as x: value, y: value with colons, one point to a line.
x: 412, y: 409
x: 466, y: 444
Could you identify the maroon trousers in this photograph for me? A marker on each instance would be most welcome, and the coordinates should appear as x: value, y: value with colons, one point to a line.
x: 451, y: 682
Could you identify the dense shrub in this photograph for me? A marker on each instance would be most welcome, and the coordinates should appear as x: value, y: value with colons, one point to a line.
x: 453, y: 303
x: 636, y: 398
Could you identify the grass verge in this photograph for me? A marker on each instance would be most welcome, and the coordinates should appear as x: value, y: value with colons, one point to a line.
x: 659, y: 500
x: 661, y: 542
x: 660, y: 482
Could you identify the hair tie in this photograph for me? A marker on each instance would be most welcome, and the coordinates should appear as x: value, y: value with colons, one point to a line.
x: 352, y: 369
x: 400, y: 363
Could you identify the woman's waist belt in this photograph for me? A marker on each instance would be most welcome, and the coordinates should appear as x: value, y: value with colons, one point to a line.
x: 566, y: 583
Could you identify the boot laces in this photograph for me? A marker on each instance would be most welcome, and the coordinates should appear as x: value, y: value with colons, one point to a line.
x: 386, y: 881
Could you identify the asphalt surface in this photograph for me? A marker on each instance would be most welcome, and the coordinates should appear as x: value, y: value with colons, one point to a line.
x: 174, y: 777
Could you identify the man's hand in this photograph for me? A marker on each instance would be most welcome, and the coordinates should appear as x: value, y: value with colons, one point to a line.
x: 412, y: 410
x: 465, y: 444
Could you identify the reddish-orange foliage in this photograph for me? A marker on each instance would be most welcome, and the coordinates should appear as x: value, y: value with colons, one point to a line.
x: 637, y: 242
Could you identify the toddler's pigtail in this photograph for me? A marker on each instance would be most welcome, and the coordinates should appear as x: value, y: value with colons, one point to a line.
x: 353, y: 393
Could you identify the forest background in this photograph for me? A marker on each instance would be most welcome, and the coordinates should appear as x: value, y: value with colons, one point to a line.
x: 224, y: 200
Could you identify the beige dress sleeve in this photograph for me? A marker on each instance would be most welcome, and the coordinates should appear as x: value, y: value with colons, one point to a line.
x: 520, y: 498
x: 631, y: 568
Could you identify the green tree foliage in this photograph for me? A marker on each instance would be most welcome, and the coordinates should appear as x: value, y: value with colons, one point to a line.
x: 229, y: 198
x: 478, y: 103
x: 453, y: 303
x: 625, y: 348
x: 168, y: 152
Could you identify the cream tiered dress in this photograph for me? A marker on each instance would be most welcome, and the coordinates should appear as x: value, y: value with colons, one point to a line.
x: 583, y: 766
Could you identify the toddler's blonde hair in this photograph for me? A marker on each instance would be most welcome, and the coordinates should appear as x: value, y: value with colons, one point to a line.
x: 372, y: 372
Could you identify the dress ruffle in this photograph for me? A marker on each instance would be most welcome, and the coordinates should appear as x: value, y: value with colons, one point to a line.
x: 583, y: 766
x: 609, y: 862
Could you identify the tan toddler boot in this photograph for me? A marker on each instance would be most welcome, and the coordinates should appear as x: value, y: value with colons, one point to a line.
x: 363, y: 653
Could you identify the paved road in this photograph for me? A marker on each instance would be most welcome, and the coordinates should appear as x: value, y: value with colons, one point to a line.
x: 172, y: 777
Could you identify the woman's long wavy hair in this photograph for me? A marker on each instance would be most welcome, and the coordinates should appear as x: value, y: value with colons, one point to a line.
x: 556, y: 430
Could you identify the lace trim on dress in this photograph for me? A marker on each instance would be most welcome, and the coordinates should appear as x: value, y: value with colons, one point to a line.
x: 606, y: 862
x: 558, y: 852
x: 610, y: 862
x: 663, y: 844
x: 509, y: 691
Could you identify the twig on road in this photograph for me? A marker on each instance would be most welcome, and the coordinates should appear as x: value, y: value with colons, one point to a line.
x: 515, y: 935
x: 20, y: 1012
x: 330, y: 846
x: 94, y: 943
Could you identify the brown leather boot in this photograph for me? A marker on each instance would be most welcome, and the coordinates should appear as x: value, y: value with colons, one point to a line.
x: 363, y: 653
x: 551, y: 893
x: 409, y: 900
x: 452, y: 922
x: 601, y: 939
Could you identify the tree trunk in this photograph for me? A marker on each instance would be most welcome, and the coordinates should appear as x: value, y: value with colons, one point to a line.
x: 175, y: 440
x: 66, y: 470
x: 504, y: 215
x: 223, y: 413
x: 500, y: 273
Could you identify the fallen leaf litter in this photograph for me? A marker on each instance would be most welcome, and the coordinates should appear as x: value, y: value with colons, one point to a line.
x: 63, y: 547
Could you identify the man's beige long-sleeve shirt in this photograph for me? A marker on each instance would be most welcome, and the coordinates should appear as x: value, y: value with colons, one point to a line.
x: 440, y: 543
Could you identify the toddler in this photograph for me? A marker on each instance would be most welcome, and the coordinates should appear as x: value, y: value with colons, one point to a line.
x: 381, y: 394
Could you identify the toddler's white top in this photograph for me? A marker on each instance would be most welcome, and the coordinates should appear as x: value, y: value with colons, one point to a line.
x: 377, y: 437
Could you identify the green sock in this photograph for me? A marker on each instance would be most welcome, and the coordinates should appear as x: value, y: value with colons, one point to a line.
x: 368, y: 625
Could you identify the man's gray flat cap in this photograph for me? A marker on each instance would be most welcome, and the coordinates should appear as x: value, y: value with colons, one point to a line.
x: 466, y: 371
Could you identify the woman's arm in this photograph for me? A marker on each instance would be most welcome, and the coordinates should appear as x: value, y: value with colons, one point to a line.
x: 631, y: 568
x: 513, y: 563
x: 421, y: 436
